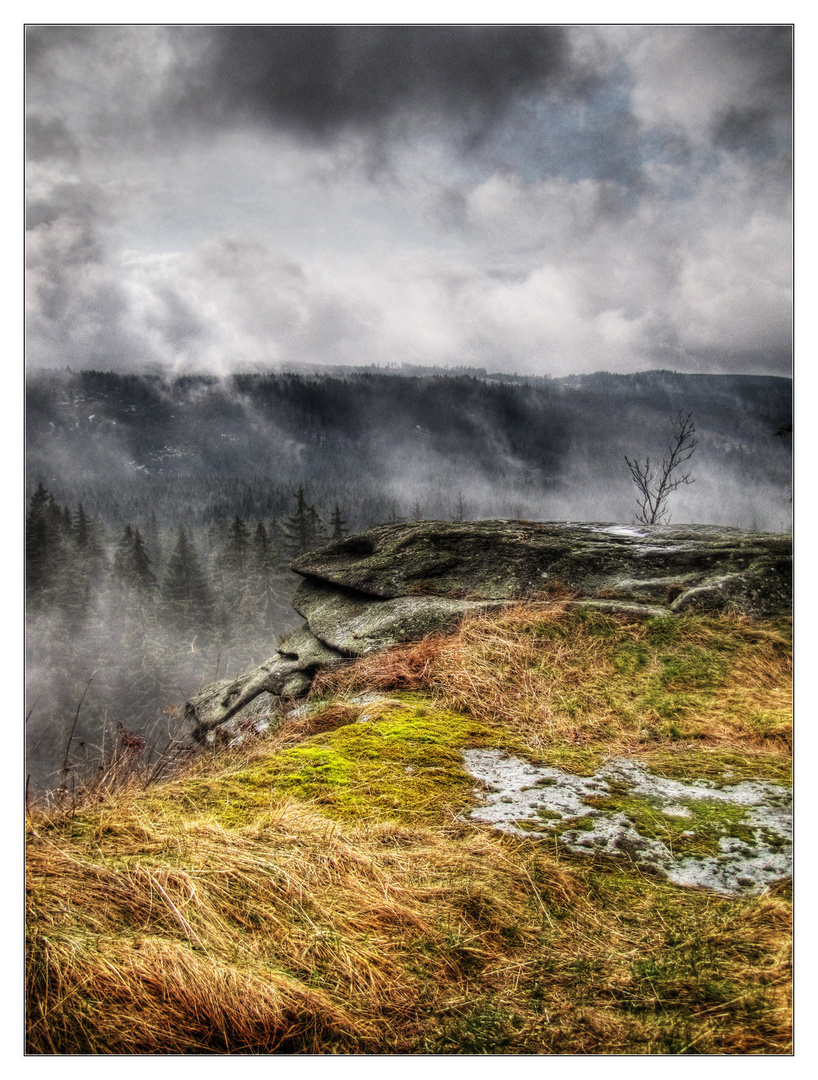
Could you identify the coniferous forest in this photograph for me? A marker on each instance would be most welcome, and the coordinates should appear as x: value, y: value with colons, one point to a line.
x: 162, y: 514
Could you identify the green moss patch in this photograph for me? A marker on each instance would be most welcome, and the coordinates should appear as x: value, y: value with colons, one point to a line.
x: 695, y: 826
x: 403, y: 763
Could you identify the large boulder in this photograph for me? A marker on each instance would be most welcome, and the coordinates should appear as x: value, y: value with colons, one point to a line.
x: 354, y: 623
x: 509, y: 560
x: 401, y: 582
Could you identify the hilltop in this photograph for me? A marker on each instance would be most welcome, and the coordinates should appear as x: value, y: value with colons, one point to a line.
x: 551, y: 826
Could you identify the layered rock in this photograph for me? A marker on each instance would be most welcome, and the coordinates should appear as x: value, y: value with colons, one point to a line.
x: 401, y: 582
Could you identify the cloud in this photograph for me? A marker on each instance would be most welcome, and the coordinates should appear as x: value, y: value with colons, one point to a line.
x: 539, y: 199
x: 317, y: 81
x: 726, y: 85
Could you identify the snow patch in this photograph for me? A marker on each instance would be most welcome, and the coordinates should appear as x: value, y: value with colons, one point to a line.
x: 514, y: 792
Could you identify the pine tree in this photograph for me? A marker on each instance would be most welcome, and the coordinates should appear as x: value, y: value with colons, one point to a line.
x: 317, y: 533
x: 276, y: 540
x: 261, y: 554
x: 236, y: 550
x: 123, y: 570
x: 337, y: 523
x: 132, y: 566
x: 186, y: 599
x: 304, y: 530
x: 153, y: 543
x: 257, y: 609
x: 46, y: 538
x: 82, y: 529
x: 84, y: 566
x: 144, y: 579
x: 88, y: 540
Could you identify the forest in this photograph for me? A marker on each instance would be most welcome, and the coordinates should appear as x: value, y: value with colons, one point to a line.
x: 162, y: 513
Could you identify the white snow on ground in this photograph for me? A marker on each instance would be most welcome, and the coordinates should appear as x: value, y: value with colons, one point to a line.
x: 514, y: 791
x: 621, y: 530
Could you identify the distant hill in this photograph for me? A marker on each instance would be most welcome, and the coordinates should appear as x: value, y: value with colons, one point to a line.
x: 440, y: 445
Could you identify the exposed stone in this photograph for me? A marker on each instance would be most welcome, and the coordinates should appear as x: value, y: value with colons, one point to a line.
x: 506, y: 560
x: 355, y: 624
x: 401, y: 582
x: 288, y: 673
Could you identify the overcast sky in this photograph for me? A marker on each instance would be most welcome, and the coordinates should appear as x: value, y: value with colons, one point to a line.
x: 545, y: 200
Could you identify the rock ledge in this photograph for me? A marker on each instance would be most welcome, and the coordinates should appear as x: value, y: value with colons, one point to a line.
x: 401, y: 582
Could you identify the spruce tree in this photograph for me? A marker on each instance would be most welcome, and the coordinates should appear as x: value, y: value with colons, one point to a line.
x: 144, y: 579
x: 317, y: 533
x: 186, y: 599
x: 153, y: 543
x: 236, y: 550
x: 261, y: 554
x: 123, y: 569
x: 88, y: 540
x: 337, y: 523
x: 82, y: 529
x: 303, y: 530
x: 46, y: 538
x: 276, y: 539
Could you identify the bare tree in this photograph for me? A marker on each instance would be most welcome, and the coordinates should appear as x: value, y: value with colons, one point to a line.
x: 654, y: 484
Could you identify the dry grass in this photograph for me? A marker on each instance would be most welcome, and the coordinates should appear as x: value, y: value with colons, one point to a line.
x: 294, y: 936
x: 227, y: 911
x: 552, y: 676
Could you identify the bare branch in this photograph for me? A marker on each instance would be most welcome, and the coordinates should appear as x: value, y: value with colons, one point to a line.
x: 654, y: 486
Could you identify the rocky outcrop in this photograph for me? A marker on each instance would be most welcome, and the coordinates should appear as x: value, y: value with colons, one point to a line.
x: 401, y: 582
x: 288, y: 673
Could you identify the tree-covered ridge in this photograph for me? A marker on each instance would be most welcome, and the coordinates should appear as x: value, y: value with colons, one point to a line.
x: 378, y: 444
x: 135, y: 481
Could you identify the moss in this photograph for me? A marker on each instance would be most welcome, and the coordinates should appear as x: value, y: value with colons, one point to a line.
x: 662, y: 630
x: 771, y: 724
x: 484, y: 1029
x: 584, y: 823
x: 630, y: 657
x: 405, y: 763
x: 697, y: 833
x: 597, y: 624
x: 578, y: 760
x: 692, y: 668
x: 721, y: 766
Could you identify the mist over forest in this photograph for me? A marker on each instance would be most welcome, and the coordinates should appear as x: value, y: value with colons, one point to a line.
x: 162, y: 513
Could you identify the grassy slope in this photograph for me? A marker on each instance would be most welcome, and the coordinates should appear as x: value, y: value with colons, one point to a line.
x: 319, y: 891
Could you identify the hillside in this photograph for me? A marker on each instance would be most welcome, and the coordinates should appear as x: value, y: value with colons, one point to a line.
x: 198, y: 448
x: 554, y: 829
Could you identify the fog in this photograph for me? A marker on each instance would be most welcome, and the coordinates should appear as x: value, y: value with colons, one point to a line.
x: 295, y: 235
x: 152, y: 455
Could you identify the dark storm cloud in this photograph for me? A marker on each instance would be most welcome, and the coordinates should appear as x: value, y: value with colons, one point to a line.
x: 315, y: 80
x: 85, y: 204
x: 766, y: 51
x: 527, y: 198
x: 41, y: 40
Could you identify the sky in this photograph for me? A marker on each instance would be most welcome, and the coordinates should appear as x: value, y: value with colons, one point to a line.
x: 546, y: 200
